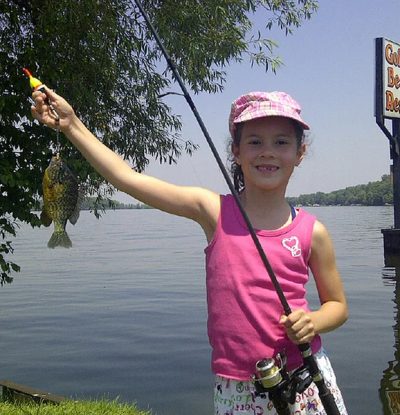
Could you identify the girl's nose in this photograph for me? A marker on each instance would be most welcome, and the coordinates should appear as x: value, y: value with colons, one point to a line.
x: 267, y: 150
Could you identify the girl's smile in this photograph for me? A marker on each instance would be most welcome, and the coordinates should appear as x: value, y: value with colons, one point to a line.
x: 267, y: 168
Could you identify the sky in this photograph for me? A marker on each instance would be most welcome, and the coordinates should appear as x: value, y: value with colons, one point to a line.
x: 329, y: 68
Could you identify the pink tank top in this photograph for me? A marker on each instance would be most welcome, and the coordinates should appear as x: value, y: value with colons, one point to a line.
x: 243, y: 307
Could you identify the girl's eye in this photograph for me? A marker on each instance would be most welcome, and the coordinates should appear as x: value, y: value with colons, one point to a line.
x: 282, y: 141
x: 254, y: 141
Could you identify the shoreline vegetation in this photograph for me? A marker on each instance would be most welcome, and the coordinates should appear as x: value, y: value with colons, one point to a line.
x: 93, y: 203
x: 99, y: 407
x: 378, y: 193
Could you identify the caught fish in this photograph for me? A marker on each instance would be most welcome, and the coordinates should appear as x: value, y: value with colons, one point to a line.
x: 61, y: 201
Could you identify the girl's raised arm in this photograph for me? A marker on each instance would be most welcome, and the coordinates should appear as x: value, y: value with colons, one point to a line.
x: 195, y: 203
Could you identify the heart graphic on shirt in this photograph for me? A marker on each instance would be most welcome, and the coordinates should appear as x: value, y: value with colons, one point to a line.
x: 292, y: 245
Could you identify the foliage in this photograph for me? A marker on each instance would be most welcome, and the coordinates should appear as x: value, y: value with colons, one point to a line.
x: 92, y: 203
x: 377, y: 193
x: 69, y: 407
x: 101, y: 57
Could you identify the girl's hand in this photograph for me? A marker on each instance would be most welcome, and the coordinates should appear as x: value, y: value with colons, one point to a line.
x: 52, y: 110
x: 299, y: 326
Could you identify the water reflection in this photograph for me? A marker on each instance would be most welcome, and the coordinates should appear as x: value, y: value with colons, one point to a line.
x: 389, y: 390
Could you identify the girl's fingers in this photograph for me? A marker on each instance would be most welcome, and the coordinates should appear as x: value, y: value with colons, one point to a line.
x: 298, y: 327
x: 43, y: 109
x: 50, y: 93
x: 43, y: 116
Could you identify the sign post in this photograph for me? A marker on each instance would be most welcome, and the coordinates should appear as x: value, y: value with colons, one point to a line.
x: 387, y: 108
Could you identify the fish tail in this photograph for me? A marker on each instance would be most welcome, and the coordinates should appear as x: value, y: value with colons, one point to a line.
x: 59, y: 238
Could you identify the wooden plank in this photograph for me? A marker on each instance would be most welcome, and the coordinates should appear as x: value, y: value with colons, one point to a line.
x: 13, y: 392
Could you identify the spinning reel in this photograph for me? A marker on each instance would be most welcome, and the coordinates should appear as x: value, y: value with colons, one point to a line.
x: 273, y: 378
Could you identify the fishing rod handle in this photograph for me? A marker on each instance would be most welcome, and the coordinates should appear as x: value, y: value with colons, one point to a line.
x: 326, y: 396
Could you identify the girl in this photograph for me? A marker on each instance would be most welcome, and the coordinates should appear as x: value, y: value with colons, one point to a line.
x: 245, y: 322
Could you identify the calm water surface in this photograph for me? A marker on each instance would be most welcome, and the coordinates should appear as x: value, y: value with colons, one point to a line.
x: 123, y: 313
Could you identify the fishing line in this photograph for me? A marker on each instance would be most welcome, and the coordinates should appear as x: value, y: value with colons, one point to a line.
x: 305, y: 349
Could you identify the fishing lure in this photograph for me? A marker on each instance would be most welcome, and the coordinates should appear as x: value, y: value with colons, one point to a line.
x: 37, y: 85
x: 34, y: 83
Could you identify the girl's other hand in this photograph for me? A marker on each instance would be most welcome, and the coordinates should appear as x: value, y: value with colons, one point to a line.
x: 52, y: 110
x: 299, y: 326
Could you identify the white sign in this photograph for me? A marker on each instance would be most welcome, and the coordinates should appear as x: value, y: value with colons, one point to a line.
x: 390, y: 79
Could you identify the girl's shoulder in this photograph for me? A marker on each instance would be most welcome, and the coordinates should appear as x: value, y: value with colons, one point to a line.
x: 320, y: 231
x: 321, y: 239
x: 209, y: 211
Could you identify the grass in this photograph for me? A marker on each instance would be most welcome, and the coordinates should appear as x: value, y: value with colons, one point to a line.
x: 101, y: 407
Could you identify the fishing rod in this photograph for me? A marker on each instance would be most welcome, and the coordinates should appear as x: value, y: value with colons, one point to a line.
x: 325, y: 395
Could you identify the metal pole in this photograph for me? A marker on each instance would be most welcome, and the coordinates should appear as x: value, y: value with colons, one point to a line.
x: 396, y: 173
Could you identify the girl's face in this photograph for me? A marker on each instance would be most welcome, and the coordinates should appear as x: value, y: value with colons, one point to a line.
x: 268, y: 152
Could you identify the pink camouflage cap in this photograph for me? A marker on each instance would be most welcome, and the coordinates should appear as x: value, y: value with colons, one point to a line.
x: 264, y: 104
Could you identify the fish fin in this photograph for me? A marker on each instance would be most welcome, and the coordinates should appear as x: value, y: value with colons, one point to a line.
x: 59, y: 239
x: 75, y: 214
x: 45, y: 219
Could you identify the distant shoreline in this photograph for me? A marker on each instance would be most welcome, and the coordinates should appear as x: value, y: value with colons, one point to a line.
x: 379, y: 193
x: 145, y: 207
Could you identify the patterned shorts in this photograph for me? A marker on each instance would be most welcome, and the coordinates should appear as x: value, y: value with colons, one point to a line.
x: 233, y: 397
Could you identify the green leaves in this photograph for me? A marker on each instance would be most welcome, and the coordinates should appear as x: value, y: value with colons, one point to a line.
x: 372, y: 194
x: 6, y: 267
x: 102, y: 58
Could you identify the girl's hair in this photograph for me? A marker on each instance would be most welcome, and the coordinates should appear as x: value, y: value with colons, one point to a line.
x: 235, y: 169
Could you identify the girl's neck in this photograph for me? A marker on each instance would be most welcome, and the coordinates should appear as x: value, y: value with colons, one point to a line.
x: 266, y: 210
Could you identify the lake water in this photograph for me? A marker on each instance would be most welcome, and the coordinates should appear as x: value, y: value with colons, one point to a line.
x: 123, y: 313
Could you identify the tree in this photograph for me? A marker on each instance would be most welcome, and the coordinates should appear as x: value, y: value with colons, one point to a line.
x: 100, y: 55
x: 372, y: 194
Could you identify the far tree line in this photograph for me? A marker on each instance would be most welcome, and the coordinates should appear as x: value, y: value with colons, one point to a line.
x: 377, y: 193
